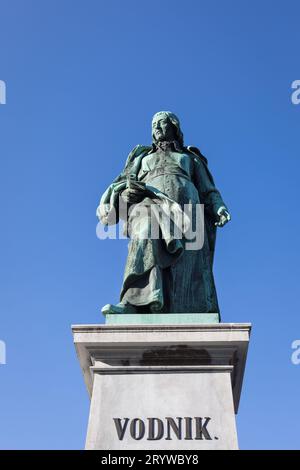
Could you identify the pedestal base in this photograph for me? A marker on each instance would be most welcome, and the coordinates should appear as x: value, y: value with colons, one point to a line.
x: 161, y: 318
x: 162, y: 386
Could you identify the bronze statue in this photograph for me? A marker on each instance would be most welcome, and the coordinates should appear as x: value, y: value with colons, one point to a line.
x: 162, y: 274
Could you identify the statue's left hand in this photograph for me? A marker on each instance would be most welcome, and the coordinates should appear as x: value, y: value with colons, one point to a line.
x: 224, y: 216
x: 132, y: 195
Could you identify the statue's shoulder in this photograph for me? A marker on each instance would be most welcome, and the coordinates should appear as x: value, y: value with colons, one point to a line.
x: 136, y: 152
x: 196, y: 151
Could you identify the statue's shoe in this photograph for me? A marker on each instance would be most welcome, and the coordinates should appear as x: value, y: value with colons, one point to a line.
x: 119, y: 308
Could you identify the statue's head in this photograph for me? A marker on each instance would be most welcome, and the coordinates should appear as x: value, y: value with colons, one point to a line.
x: 166, y: 127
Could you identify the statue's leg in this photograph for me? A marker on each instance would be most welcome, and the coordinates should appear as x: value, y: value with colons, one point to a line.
x: 189, y: 284
x: 145, y: 291
x: 149, y: 254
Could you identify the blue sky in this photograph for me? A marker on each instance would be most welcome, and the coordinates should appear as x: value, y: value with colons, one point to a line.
x: 83, y: 81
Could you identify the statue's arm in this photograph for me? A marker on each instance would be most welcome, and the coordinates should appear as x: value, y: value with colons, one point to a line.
x: 111, y: 205
x: 209, y: 195
x: 108, y: 208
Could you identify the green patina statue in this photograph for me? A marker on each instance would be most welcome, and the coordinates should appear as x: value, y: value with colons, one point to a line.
x: 165, y: 274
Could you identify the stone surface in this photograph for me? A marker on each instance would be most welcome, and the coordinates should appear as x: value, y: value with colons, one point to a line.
x: 161, y: 318
x: 162, y: 386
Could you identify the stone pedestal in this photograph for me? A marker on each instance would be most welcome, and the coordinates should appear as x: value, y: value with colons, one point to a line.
x: 162, y: 386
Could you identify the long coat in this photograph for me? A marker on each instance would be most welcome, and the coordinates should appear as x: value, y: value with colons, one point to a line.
x: 177, y: 279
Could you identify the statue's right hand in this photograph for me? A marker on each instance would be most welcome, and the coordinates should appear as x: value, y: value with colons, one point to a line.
x: 132, y: 196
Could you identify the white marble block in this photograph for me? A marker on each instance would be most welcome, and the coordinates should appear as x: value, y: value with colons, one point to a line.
x: 162, y: 386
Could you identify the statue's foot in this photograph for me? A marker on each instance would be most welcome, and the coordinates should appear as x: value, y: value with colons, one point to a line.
x: 119, y: 308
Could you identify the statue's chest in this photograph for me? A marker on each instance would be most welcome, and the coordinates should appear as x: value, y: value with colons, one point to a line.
x: 165, y: 160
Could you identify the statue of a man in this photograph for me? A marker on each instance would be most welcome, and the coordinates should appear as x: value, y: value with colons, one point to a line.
x: 162, y: 274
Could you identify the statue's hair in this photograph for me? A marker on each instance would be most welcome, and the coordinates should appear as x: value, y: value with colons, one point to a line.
x: 174, y: 120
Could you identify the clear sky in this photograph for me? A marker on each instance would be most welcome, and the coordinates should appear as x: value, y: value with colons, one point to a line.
x: 83, y: 81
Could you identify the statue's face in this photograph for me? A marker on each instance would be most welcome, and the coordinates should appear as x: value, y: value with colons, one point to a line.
x: 163, y: 129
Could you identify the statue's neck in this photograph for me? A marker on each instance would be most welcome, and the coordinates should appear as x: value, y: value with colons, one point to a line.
x: 168, y: 145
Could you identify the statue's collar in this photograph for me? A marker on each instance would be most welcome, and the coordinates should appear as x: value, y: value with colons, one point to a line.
x: 174, y: 145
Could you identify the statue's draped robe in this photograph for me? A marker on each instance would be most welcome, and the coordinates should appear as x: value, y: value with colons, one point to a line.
x: 177, y: 279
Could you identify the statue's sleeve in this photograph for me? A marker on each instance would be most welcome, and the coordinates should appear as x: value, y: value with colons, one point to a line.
x: 109, y: 210
x: 208, y: 193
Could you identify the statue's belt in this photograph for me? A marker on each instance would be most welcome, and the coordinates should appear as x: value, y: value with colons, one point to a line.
x: 161, y: 171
